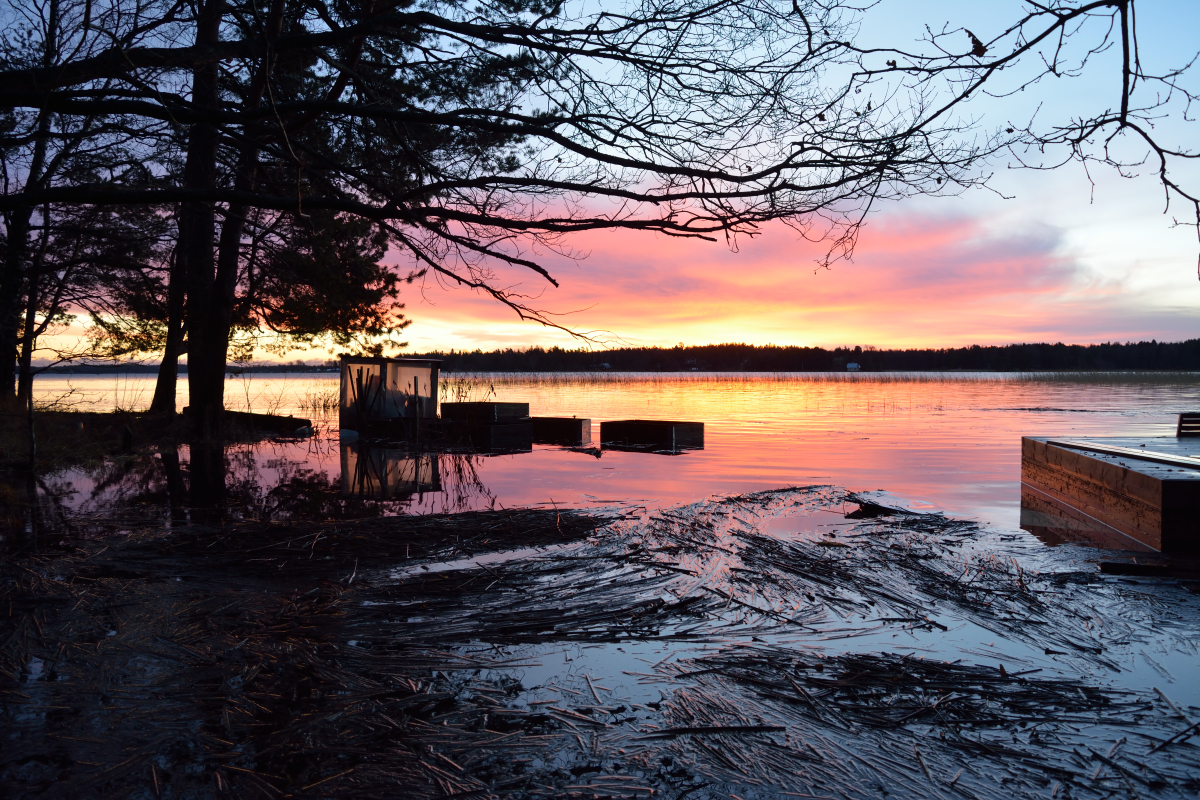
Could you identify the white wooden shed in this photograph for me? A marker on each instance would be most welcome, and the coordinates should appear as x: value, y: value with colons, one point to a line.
x: 378, y: 391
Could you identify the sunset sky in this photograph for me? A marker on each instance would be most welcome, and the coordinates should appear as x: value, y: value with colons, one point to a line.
x: 1043, y: 258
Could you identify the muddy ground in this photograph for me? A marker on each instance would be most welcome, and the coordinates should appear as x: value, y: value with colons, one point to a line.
x: 765, y: 645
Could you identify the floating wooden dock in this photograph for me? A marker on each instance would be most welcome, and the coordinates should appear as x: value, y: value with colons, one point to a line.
x: 485, y: 413
x: 1134, y: 493
x: 652, y: 434
x: 266, y: 423
x: 569, y: 431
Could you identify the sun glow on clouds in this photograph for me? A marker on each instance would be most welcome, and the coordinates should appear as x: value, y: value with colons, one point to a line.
x: 982, y: 276
x: 915, y: 281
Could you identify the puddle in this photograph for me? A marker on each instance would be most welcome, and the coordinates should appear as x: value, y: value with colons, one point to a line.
x: 480, y: 561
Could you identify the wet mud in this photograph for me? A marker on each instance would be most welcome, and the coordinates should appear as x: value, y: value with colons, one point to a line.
x: 787, y: 643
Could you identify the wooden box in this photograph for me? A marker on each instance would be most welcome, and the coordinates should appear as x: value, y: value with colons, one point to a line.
x: 1154, y: 503
x: 485, y: 413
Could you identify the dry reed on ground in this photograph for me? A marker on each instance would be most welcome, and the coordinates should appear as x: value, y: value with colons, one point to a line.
x: 347, y: 659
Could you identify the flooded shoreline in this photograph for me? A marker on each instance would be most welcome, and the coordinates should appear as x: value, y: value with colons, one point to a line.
x: 832, y: 599
x: 949, y: 440
x: 749, y: 644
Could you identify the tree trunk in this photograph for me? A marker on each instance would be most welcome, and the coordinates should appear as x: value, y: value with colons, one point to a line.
x: 206, y: 475
x: 219, y: 316
x: 11, y: 280
x: 25, y: 362
x: 165, y: 387
x: 197, y: 225
x: 17, y: 250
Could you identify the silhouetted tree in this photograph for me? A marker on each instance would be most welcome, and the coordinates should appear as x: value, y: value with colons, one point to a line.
x: 322, y: 277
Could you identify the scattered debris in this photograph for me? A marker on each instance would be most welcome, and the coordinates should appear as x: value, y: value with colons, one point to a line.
x: 679, y: 652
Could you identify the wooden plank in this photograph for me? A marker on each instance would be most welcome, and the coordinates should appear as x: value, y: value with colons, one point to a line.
x: 1130, y: 452
x: 1097, y: 476
x: 1125, y: 501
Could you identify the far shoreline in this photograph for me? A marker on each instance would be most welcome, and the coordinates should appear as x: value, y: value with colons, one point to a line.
x: 1144, y: 356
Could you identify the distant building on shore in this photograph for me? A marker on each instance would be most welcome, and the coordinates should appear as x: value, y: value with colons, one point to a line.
x: 853, y: 367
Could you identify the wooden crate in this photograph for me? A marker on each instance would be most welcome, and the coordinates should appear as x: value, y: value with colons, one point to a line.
x: 485, y: 413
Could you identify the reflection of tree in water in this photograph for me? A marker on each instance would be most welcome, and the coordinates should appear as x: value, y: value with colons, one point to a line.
x: 115, y: 496
x: 462, y: 488
x: 31, y: 512
x: 296, y: 490
x: 421, y: 483
x: 125, y: 484
x: 261, y: 481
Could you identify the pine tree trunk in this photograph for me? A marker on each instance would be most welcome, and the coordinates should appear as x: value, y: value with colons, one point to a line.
x: 17, y: 228
x: 208, y: 354
x: 25, y: 361
x: 197, y: 226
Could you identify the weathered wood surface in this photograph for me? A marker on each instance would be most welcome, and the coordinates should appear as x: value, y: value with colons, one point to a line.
x: 1056, y: 522
x: 1189, y: 425
x: 1155, y: 504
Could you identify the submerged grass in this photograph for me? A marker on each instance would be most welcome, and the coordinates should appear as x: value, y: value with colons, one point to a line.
x: 319, y: 402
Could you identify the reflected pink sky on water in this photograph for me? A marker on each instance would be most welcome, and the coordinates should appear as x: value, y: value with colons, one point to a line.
x: 951, y: 441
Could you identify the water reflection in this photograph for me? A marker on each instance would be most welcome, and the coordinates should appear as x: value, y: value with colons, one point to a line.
x: 380, y: 473
x: 954, y: 442
x: 267, y: 481
x: 1056, y: 523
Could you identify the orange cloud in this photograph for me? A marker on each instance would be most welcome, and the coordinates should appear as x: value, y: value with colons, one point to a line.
x: 914, y: 281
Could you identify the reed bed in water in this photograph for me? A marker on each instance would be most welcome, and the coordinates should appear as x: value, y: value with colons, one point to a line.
x: 345, y: 659
x: 319, y: 402
x: 493, y: 379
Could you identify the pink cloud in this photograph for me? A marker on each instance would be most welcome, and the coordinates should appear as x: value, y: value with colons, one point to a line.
x: 914, y: 281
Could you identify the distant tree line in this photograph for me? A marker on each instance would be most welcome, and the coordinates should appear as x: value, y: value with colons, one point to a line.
x: 1152, y: 355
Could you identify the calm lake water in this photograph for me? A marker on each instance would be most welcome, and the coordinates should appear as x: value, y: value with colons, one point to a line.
x: 949, y: 442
